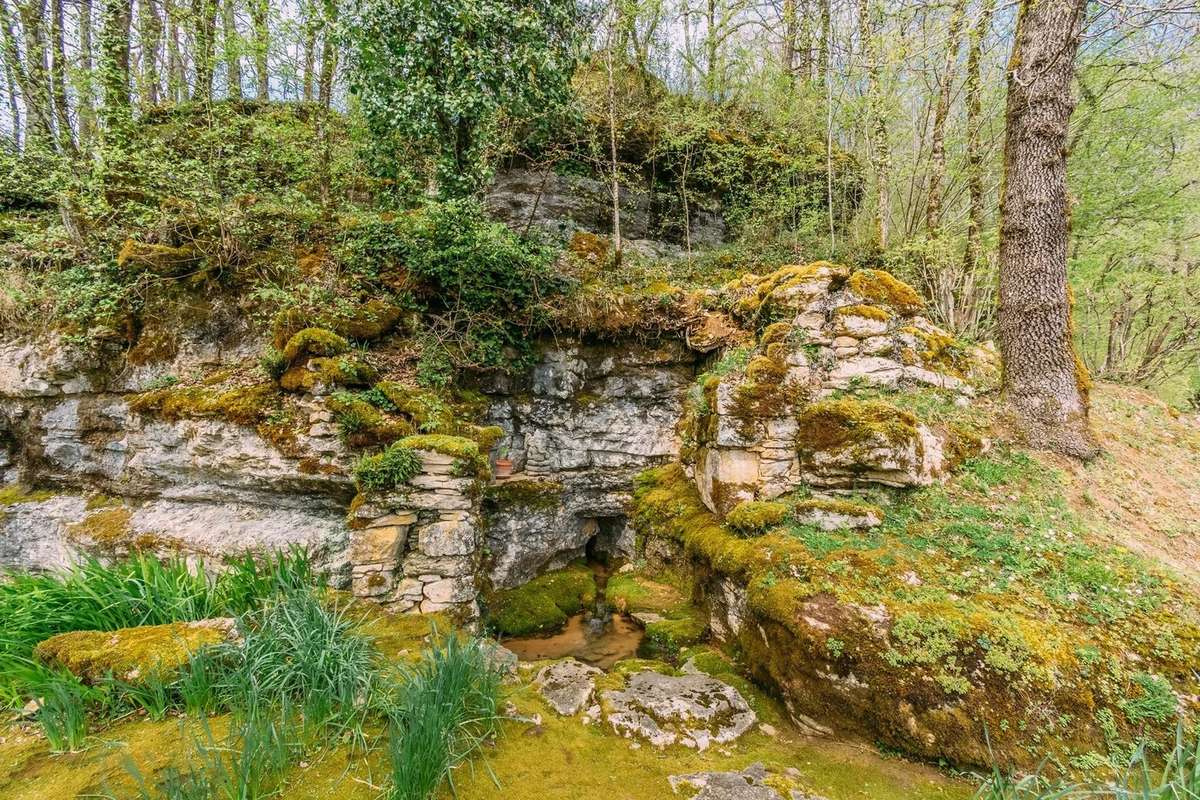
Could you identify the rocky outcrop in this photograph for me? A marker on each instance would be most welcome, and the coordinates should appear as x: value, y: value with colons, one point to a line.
x: 567, y: 685
x: 691, y: 710
x: 775, y: 420
x: 560, y: 205
x: 580, y: 426
x: 752, y: 783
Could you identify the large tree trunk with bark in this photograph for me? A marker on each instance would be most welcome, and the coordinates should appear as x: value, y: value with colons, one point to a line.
x: 233, y: 48
x: 204, y: 34
x: 150, y: 28
x: 262, y: 33
x: 1045, y: 384
x: 877, y: 131
x: 974, y: 251
x: 114, y: 45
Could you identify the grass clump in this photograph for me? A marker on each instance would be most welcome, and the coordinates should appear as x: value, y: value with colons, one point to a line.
x: 543, y: 604
x: 446, y: 710
x: 753, y: 517
x: 387, y: 471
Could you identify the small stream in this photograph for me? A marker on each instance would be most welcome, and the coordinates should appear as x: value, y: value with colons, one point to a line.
x: 598, y: 636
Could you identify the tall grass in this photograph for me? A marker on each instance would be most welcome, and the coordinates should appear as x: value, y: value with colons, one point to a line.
x: 62, y: 711
x: 143, y: 590
x: 445, y: 710
x: 1177, y: 778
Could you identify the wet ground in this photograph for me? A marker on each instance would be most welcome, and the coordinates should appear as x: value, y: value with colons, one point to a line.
x: 588, y: 638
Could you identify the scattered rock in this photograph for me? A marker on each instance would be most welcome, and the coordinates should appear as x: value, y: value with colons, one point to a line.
x: 567, y: 685
x: 692, y: 710
x: 749, y: 784
x: 503, y: 660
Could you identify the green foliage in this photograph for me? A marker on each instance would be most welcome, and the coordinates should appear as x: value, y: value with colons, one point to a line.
x: 438, y: 77
x: 141, y: 591
x: 753, y: 517
x: 62, y: 711
x: 447, y: 708
x: 388, y: 470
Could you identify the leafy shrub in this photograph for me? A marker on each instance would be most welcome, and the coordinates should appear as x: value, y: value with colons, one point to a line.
x: 385, y: 471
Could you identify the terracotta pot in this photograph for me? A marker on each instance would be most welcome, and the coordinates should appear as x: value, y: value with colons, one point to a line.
x: 503, y: 467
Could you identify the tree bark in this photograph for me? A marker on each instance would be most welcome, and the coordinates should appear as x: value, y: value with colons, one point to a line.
x: 85, y: 86
x: 823, y: 51
x: 937, y: 147
x: 150, y: 28
x: 14, y: 109
x: 58, y: 79
x: 1045, y: 384
x: 176, y: 75
x: 877, y: 132
x: 787, y: 55
x: 204, y: 34
x: 973, y: 254
x: 114, y: 47
x: 262, y: 32
x: 233, y: 48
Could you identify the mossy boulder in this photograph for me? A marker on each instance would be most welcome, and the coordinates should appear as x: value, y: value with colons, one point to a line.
x: 753, y: 517
x: 469, y: 459
x: 242, y: 405
x: 132, y: 653
x: 543, y: 604
x: 310, y: 342
x: 666, y: 638
x: 883, y: 288
x: 364, y: 425
x: 159, y: 259
x: 323, y: 374
x: 829, y: 514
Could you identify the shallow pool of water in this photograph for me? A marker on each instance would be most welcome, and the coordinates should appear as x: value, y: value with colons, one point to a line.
x: 586, y: 638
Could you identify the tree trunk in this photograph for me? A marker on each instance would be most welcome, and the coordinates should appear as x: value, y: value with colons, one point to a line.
x: 150, y: 28
x: 14, y: 110
x: 262, y: 33
x: 58, y: 79
x: 787, y: 55
x: 176, y: 77
x: 877, y: 132
x: 84, y: 84
x: 823, y: 50
x: 614, y: 176
x: 204, y: 34
x: 310, y: 53
x: 114, y: 48
x: 233, y: 48
x: 937, y: 147
x: 1045, y: 384
x: 974, y: 251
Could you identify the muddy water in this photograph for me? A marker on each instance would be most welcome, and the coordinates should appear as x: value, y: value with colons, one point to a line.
x: 599, y: 636
x: 589, y: 639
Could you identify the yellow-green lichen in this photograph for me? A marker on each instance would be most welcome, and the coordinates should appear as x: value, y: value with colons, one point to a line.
x: 524, y: 493
x: 345, y: 370
x: 839, y: 424
x: 775, y: 332
x: 243, y: 405
x: 867, y: 312
x: 159, y: 259
x: 15, y: 494
x: 469, y: 459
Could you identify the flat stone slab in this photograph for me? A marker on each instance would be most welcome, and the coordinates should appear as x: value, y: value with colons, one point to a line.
x: 749, y: 784
x: 692, y: 710
x: 567, y: 685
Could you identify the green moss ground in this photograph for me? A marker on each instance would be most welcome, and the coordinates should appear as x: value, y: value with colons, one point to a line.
x: 543, y: 604
x: 128, y: 653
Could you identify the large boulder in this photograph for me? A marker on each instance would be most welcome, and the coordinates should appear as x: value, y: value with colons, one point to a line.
x: 691, y: 710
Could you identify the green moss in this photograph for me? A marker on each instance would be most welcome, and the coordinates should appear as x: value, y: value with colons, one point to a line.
x: 370, y: 320
x: 844, y: 507
x: 128, y: 653
x: 527, y: 493
x: 364, y: 425
x: 762, y: 369
x: 839, y: 424
x: 309, y: 342
x: 867, y: 312
x: 243, y: 405
x: 543, y: 604
x: 15, y: 494
x: 327, y: 372
x: 631, y: 592
x: 886, y: 290
x: 664, y: 639
x: 469, y: 459
x: 386, y: 471
x: 753, y: 517
x: 159, y: 259
x: 774, y: 333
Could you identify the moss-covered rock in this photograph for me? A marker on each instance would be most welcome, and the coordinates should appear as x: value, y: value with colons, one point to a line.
x: 324, y: 373
x: 132, y: 653
x: 665, y: 638
x: 469, y: 459
x: 847, y: 423
x: 159, y: 259
x: 387, y: 471
x: 527, y: 493
x: 543, y: 604
x: 752, y: 517
x: 883, y: 288
x: 364, y: 425
x: 243, y: 405
x: 313, y: 342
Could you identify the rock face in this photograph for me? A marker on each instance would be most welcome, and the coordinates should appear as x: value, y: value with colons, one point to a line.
x: 567, y: 685
x: 205, y: 487
x: 581, y: 425
x: 563, y: 204
x: 691, y: 710
x: 775, y: 422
